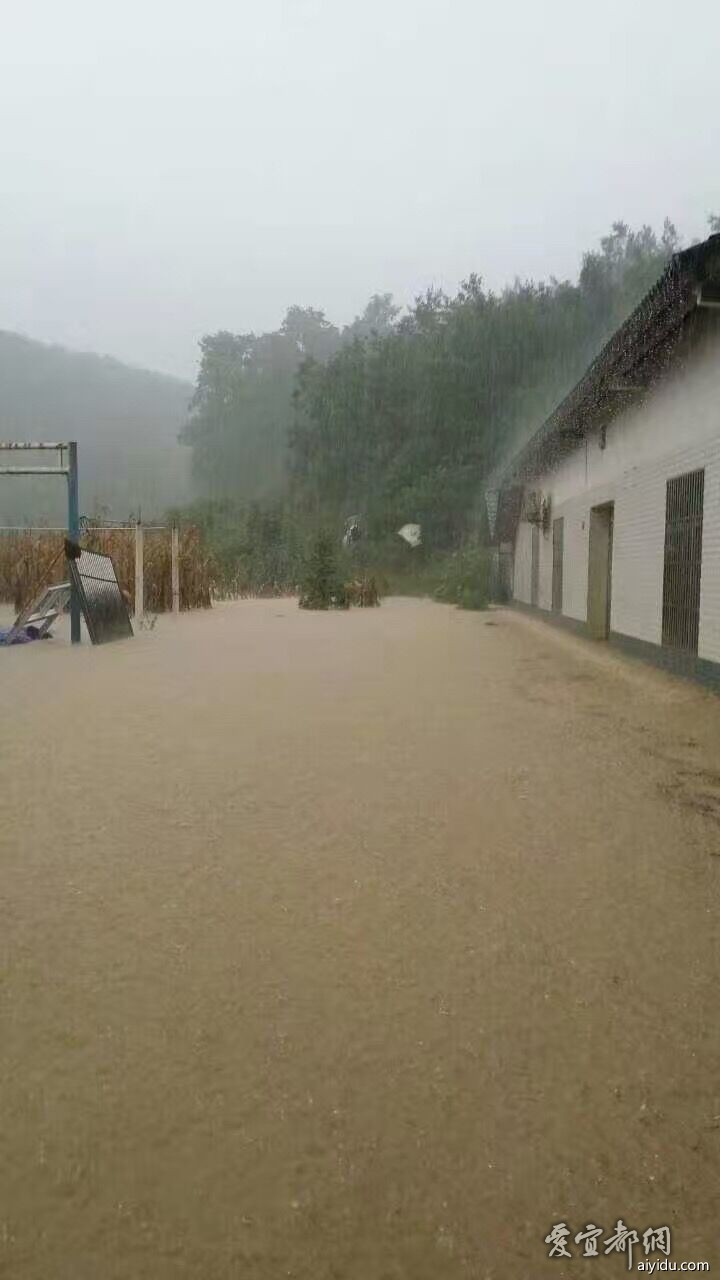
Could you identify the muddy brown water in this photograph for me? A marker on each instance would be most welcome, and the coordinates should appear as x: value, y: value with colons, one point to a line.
x: 366, y: 945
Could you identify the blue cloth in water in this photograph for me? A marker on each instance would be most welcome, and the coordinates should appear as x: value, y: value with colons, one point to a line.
x: 23, y: 637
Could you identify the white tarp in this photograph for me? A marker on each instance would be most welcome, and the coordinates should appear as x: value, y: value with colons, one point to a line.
x: 412, y: 534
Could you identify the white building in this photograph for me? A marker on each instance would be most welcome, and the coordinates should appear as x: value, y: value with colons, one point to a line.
x: 613, y: 506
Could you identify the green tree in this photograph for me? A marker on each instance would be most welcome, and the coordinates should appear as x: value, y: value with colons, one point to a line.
x: 377, y: 320
x: 321, y: 586
x: 241, y: 412
x: 402, y: 425
x: 398, y: 418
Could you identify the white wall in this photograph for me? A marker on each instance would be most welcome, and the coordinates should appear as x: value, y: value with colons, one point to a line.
x: 677, y: 430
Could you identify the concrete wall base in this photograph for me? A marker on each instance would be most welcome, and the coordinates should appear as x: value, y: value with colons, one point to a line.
x: 686, y: 665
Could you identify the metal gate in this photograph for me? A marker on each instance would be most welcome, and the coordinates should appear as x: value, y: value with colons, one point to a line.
x: 683, y: 561
x: 102, y: 602
x: 557, y: 569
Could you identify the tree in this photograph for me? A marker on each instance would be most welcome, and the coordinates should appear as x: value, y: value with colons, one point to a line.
x: 241, y: 412
x: 321, y: 586
x: 402, y: 426
x: 377, y: 320
x: 311, y: 334
x: 400, y: 417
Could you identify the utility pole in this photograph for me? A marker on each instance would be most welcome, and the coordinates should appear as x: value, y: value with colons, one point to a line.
x: 139, y: 574
x: 73, y: 534
x: 175, y: 570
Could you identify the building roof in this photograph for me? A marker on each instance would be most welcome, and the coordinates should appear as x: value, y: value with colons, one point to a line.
x: 652, y: 339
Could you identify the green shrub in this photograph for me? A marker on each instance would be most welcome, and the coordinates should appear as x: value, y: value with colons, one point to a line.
x: 466, y: 580
x: 322, y: 586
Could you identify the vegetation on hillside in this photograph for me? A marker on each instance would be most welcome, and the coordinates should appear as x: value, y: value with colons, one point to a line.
x: 398, y: 417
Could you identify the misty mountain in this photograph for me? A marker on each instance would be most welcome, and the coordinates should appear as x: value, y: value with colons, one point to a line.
x: 126, y: 422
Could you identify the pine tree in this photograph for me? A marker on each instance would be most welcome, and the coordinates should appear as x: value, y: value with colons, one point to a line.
x: 321, y: 586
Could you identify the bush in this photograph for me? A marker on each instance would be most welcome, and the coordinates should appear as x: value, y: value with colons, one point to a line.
x: 257, y: 549
x: 466, y: 581
x: 322, y: 587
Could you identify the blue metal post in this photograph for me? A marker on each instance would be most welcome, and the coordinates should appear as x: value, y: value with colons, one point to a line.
x: 73, y: 534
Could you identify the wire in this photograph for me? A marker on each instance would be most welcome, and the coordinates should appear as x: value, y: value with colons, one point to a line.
x: 100, y: 528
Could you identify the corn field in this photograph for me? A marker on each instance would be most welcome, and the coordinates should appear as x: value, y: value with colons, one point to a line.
x: 29, y: 561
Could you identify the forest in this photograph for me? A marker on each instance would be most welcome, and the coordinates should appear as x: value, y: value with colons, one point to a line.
x: 397, y: 417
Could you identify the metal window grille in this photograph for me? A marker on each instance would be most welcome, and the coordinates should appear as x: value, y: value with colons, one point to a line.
x: 683, y: 561
x: 557, y: 569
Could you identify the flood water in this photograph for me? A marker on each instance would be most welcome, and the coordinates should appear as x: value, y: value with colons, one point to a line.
x: 361, y: 945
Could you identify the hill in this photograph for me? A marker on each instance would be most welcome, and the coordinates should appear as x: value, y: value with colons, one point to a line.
x: 126, y: 422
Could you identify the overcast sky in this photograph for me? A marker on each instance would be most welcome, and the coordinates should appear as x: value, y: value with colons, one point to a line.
x: 170, y: 169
